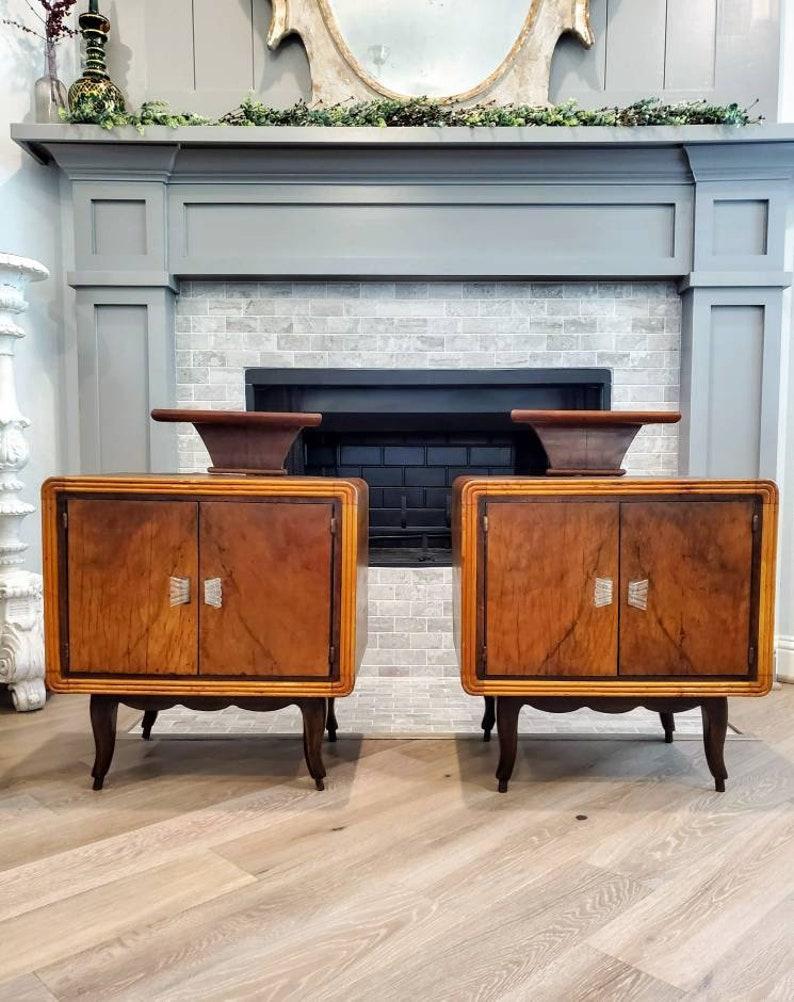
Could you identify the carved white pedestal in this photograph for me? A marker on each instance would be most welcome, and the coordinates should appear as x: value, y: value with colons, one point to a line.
x: 21, y: 614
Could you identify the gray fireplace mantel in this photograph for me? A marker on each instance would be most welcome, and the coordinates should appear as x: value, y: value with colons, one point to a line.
x: 708, y: 206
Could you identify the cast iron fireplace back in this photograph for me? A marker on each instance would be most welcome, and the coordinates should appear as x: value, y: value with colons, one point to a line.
x: 410, y: 432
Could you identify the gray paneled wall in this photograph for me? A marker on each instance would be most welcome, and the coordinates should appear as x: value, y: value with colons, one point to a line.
x: 203, y: 55
x: 723, y: 50
x: 207, y: 54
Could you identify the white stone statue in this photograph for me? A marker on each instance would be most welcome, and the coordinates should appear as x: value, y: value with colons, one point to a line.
x: 21, y: 612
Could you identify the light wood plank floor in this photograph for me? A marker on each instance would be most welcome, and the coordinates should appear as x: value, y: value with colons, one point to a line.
x: 212, y: 870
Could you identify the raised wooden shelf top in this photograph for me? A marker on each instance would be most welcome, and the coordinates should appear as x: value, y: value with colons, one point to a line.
x: 588, y: 443
x: 246, y: 442
x: 243, y: 419
x: 600, y: 418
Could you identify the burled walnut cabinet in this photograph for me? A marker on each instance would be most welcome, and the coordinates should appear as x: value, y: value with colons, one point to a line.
x: 614, y: 594
x: 207, y: 591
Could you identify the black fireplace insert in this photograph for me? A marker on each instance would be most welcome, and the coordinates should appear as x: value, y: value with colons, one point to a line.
x: 410, y: 432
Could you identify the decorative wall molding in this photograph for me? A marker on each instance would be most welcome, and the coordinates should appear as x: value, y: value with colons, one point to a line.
x: 21, y: 610
x: 523, y: 76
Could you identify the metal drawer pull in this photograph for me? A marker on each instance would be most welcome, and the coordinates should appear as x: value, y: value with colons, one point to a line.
x: 213, y: 593
x: 638, y: 594
x: 179, y: 591
x: 602, y: 592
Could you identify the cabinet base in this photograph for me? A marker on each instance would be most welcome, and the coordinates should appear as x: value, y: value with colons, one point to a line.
x: 318, y: 714
x: 714, y: 711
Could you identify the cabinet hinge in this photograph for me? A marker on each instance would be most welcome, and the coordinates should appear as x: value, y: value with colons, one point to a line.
x: 66, y: 651
x: 756, y: 522
x: 332, y: 655
x: 333, y: 525
x: 65, y: 518
x: 485, y: 523
x: 751, y: 657
x: 483, y: 658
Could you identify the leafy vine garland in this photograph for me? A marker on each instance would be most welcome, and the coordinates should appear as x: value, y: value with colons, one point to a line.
x: 422, y: 112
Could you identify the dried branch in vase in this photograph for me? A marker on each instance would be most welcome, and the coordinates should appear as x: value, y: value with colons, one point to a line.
x: 52, y: 16
x: 51, y: 27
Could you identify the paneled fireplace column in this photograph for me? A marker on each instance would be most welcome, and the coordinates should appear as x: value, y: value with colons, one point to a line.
x: 733, y: 312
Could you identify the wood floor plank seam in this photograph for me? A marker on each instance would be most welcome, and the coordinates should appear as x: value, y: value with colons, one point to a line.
x: 689, y: 924
x: 405, y: 953
x: 27, y: 988
x: 209, y: 826
x: 522, y: 946
x: 584, y: 973
x: 100, y: 913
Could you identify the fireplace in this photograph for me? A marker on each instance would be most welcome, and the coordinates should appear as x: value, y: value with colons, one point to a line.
x: 410, y: 432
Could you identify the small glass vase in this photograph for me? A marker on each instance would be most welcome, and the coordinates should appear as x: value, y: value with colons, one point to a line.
x: 49, y: 92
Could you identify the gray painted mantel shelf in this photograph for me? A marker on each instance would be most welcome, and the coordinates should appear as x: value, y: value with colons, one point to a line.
x: 30, y: 135
x: 706, y: 206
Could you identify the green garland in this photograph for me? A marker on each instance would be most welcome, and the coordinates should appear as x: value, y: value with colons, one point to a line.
x: 417, y: 112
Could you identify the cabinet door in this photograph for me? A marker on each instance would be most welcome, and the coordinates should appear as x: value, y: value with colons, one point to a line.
x: 132, y: 568
x: 550, y: 570
x: 686, y: 571
x: 267, y: 572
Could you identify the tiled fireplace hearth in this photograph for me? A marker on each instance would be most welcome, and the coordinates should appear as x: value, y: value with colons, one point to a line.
x: 631, y: 329
x: 658, y: 254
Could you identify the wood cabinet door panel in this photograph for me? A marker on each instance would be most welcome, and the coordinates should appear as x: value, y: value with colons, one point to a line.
x: 545, y: 613
x: 274, y: 563
x: 686, y: 577
x: 121, y: 556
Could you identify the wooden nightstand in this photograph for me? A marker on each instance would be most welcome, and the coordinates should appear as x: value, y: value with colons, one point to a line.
x: 206, y: 591
x: 614, y: 594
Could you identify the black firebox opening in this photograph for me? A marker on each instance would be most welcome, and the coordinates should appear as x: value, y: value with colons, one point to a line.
x: 410, y: 433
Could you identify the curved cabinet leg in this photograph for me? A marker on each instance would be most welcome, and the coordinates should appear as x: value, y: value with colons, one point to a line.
x: 314, y: 711
x: 715, y: 727
x: 507, y: 711
x: 489, y: 717
x: 147, y: 723
x: 331, y: 724
x: 104, y: 711
x: 668, y: 723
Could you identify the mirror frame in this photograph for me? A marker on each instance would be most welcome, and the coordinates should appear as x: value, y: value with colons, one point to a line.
x: 522, y: 77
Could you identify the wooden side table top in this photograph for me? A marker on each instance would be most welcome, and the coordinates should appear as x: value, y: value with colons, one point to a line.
x: 588, y: 443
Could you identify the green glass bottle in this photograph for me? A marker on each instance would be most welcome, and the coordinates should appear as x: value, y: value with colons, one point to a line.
x: 94, y: 93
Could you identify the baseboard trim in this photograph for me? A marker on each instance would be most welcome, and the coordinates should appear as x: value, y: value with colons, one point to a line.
x: 785, y: 659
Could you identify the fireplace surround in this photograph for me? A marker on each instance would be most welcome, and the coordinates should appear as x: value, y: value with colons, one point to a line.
x: 410, y: 432
x: 704, y: 207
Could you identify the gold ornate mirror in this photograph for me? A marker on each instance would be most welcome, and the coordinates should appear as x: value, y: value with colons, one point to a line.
x: 457, y: 50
